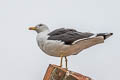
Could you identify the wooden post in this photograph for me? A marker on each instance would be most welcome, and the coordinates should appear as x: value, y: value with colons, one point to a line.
x: 55, y: 72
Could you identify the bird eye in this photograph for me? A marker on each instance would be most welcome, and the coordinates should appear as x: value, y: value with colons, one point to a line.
x: 40, y: 25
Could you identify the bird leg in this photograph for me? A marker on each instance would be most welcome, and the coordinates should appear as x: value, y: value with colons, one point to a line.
x: 61, y: 60
x: 66, y: 61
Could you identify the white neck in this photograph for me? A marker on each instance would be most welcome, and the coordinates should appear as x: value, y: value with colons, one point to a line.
x: 45, y: 32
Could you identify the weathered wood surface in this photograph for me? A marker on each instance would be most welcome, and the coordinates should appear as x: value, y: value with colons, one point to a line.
x: 55, y: 72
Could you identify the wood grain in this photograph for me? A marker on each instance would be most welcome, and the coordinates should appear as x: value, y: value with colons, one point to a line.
x: 55, y: 72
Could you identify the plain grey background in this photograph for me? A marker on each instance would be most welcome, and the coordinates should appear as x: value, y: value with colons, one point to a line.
x: 21, y: 58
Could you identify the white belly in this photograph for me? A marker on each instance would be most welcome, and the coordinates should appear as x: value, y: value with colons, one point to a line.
x: 55, y: 48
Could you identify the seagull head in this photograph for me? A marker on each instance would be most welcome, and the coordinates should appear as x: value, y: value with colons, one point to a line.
x: 39, y: 28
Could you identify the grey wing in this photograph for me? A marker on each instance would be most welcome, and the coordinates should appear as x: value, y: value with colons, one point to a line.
x: 69, y: 37
x: 61, y: 31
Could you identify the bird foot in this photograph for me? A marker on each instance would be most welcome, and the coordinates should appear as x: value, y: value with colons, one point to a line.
x: 60, y: 66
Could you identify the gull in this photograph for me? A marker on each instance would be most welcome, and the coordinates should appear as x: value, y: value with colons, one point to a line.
x: 64, y: 42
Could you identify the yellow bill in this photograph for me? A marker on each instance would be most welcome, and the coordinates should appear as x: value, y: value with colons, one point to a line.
x: 32, y: 28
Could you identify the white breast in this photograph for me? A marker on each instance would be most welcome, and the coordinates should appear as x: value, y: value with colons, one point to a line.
x: 41, y: 38
x: 51, y: 47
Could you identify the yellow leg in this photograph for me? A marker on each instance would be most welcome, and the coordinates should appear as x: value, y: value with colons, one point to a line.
x: 66, y: 62
x: 61, y: 60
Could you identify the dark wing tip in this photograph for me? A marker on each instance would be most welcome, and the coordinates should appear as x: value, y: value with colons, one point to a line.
x: 105, y: 35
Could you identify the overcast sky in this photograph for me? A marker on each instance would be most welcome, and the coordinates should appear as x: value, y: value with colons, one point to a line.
x: 21, y: 58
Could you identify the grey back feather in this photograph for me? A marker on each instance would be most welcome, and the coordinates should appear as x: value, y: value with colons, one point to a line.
x: 68, y: 36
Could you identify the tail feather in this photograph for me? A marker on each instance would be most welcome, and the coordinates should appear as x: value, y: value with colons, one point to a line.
x: 105, y: 35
